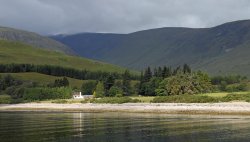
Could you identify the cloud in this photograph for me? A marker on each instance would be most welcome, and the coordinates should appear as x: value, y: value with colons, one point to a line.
x: 119, y: 16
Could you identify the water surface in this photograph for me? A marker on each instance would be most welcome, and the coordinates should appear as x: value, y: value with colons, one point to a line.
x: 129, y: 127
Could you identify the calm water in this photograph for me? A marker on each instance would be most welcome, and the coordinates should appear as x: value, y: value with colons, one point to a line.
x: 102, y: 127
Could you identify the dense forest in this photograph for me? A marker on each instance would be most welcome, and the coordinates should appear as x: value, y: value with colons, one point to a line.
x: 58, y: 71
x: 160, y: 81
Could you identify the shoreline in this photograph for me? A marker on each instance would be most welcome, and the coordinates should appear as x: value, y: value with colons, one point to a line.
x: 239, y: 108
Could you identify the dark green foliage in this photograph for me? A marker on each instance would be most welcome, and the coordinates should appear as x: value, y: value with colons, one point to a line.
x: 108, y: 83
x: 167, y: 72
x: 115, y: 100
x: 230, y: 83
x: 239, y: 97
x: 58, y: 71
x: 200, y: 99
x: 236, y: 87
x: 15, y: 92
x: 115, y: 91
x: 231, y: 79
x: 61, y: 82
x: 33, y: 94
x: 186, y: 69
x: 13, y: 87
x: 100, y: 90
x: 126, y: 78
x: 185, y: 84
x: 184, y: 99
x: 5, y: 99
x: 147, y: 75
x: 8, y: 81
x: 88, y: 87
x: 148, y: 88
x: 47, y: 93
x: 176, y: 82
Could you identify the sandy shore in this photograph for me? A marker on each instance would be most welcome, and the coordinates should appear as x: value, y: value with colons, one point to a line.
x: 192, y: 108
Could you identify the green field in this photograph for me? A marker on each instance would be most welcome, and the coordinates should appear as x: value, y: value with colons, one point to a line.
x: 43, y: 79
x: 16, y: 52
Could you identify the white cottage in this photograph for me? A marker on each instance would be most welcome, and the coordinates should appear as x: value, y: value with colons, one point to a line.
x: 77, y: 95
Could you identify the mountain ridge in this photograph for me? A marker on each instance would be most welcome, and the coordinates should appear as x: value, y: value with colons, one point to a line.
x: 202, y: 48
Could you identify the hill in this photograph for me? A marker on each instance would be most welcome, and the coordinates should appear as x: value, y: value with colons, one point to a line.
x: 223, y: 49
x: 33, y: 39
x: 16, y: 52
x: 43, y: 79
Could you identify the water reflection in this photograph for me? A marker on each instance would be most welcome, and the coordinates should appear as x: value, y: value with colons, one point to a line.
x: 20, y: 126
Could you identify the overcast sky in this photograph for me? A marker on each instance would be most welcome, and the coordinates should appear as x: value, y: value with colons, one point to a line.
x: 118, y: 16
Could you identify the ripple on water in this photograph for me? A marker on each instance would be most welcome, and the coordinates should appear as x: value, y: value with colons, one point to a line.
x: 27, y: 127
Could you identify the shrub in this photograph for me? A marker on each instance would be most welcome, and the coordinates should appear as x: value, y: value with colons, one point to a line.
x: 115, y: 100
x: 16, y: 92
x: 88, y: 87
x: 47, y: 93
x: 61, y: 101
x: 17, y: 101
x: 114, y: 91
x: 184, y: 99
x: 99, y: 91
x: 233, y: 97
x: 5, y: 99
x: 184, y: 84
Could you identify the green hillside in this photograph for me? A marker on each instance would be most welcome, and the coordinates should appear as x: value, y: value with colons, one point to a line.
x: 16, y: 52
x: 43, y: 79
x: 33, y: 39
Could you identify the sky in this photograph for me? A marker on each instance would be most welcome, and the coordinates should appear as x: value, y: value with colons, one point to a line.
x: 49, y: 17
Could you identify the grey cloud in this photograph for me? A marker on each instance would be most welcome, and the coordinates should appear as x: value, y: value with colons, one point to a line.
x: 119, y: 16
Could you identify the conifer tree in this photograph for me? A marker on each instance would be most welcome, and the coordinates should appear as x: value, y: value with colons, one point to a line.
x: 126, y: 83
x: 99, y: 91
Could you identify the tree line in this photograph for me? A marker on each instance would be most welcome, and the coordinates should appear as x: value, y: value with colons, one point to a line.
x: 58, y: 71
x: 110, y: 86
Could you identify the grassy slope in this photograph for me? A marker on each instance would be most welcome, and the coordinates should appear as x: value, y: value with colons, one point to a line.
x: 15, y: 52
x: 44, y: 79
x: 33, y: 39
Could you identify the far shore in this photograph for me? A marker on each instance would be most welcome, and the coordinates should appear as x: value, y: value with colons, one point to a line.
x: 242, y: 108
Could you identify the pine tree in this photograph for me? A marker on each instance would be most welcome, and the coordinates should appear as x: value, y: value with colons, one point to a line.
x: 147, y: 75
x: 126, y: 83
x: 186, y: 69
x: 109, y: 82
x: 99, y: 91
x: 65, y: 81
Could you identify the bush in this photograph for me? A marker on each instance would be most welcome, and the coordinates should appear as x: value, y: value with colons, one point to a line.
x: 236, y: 87
x: 88, y: 87
x: 115, y: 100
x: 47, y: 93
x: 85, y: 101
x: 17, y: 101
x: 184, y: 99
x: 16, y: 92
x: 61, y: 101
x: 184, y: 84
x: 233, y: 97
x: 5, y: 99
x: 115, y: 91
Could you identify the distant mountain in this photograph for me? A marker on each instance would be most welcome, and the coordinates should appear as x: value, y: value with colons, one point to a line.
x: 91, y: 45
x: 217, y: 50
x: 33, y: 39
